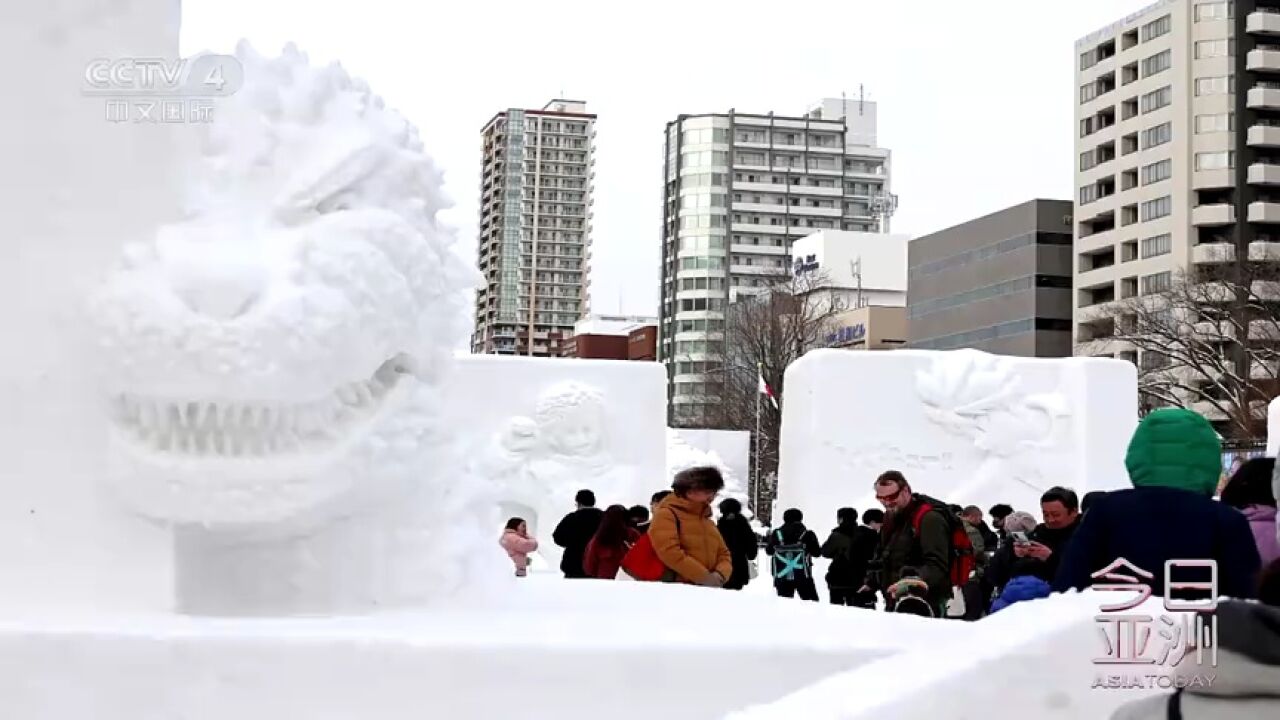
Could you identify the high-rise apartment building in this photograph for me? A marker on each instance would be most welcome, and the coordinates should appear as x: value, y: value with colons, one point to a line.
x: 1178, y: 147
x: 738, y: 189
x: 535, y: 228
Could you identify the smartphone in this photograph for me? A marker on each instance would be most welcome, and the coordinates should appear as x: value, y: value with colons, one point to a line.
x: 1019, y: 537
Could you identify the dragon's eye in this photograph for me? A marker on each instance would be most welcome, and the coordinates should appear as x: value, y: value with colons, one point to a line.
x: 334, y: 203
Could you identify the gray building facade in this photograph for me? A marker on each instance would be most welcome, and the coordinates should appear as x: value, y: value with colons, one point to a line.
x: 999, y: 283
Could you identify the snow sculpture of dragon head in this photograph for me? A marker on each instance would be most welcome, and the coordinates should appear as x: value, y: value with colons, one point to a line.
x: 273, y: 358
x: 976, y: 395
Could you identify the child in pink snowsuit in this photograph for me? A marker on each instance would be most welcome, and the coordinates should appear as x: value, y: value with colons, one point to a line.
x: 516, y: 541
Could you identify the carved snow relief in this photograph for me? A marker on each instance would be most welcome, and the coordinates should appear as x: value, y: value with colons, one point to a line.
x: 981, y: 399
x: 964, y: 426
x: 539, y: 461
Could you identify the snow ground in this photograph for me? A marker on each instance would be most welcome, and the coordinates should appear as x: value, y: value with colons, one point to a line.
x: 547, y: 648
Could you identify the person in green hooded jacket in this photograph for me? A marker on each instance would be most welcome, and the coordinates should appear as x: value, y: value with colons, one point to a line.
x: 1174, y: 460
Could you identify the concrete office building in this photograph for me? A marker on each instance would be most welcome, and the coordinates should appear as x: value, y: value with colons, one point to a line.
x: 738, y: 189
x: 1000, y: 283
x: 870, y: 327
x: 535, y: 228
x: 1178, y: 145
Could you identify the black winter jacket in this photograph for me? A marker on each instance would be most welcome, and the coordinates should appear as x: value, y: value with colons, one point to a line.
x: 850, y: 548
x: 743, y: 545
x: 573, y: 534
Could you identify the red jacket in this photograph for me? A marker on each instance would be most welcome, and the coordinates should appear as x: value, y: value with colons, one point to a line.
x: 602, y: 562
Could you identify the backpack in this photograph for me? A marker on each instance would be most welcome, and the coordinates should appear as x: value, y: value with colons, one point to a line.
x: 961, y: 558
x: 642, y: 562
x: 791, y: 560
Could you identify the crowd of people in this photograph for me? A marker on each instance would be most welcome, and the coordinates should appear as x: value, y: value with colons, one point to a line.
x: 946, y: 555
x: 923, y: 556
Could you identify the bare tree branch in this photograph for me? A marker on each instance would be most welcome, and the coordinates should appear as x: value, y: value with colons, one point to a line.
x: 764, y: 333
x: 1210, y: 342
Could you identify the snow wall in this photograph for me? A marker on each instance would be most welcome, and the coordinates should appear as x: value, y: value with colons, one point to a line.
x: 76, y: 189
x: 548, y: 648
x: 1033, y: 660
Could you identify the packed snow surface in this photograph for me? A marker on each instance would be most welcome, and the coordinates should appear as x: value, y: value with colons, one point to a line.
x: 547, y: 648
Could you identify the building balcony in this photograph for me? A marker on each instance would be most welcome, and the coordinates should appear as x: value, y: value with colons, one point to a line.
x: 1262, y: 22
x: 1262, y: 250
x: 1265, y: 330
x: 1264, y: 136
x: 1210, y: 215
x: 1264, y: 212
x: 1268, y: 290
x: 1263, y: 60
x: 1214, y: 331
x: 1211, y: 253
x: 1262, y: 173
x: 1210, y: 179
x: 1264, y: 97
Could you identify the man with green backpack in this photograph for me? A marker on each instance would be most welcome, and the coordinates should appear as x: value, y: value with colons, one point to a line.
x: 793, y: 547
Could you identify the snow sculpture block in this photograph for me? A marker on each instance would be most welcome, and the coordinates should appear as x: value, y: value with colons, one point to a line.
x: 272, y: 363
x: 76, y: 189
x: 963, y: 426
x: 541, y: 429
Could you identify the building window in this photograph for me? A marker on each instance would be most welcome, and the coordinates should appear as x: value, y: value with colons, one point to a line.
x: 1214, y: 11
x: 1088, y: 92
x: 1157, y: 245
x: 1218, y: 85
x: 1215, y: 160
x: 1218, y: 122
x: 1088, y: 194
x: 1157, y: 27
x: 1088, y: 159
x: 1157, y: 63
x: 1156, y: 172
x: 1158, y: 208
x: 1157, y: 99
x: 1088, y: 59
x: 1214, y: 48
x: 1158, y: 135
x: 1157, y: 283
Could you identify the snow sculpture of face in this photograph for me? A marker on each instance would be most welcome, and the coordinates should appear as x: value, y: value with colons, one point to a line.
x: 570, y: 419
x: 520, y: 437
x: 274, y: 356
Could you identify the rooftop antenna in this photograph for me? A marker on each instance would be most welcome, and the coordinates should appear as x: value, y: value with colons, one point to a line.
x: 862, y: 97
x: 855, y: 267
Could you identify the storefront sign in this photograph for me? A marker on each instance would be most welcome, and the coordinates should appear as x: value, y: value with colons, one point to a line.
x: 848, y: 334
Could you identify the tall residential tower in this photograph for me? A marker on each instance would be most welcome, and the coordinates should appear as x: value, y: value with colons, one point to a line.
x: 535, y: 228
x: 738, y: 189
x: 1178, y: 147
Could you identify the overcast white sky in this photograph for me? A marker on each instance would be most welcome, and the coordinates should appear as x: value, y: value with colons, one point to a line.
x: 975, y: 98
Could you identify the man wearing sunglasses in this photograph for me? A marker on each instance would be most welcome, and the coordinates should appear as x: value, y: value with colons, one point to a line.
x: 902, y: 545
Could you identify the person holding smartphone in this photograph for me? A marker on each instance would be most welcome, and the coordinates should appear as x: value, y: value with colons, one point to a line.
x: 1006, y: 563
x: 1024, y: 581
x: 1060, y: 508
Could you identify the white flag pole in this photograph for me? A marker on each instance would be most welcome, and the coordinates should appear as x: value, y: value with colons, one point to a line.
x: 759, y: 376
